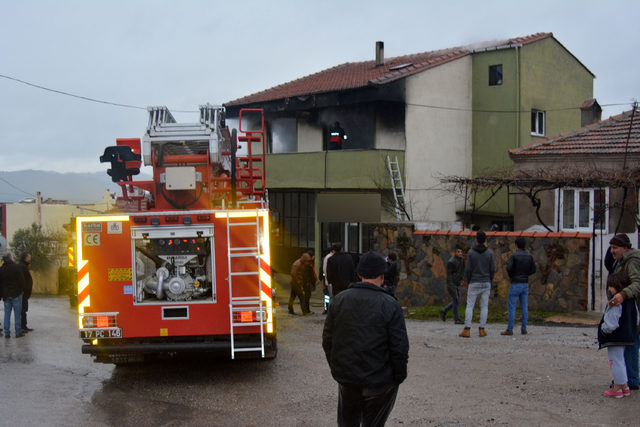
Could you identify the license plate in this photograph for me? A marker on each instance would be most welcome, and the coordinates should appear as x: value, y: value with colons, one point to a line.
x: 101, y: 333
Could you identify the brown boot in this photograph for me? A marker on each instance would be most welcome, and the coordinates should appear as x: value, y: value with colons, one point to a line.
x: 481, y: 332
x: 466, y: 333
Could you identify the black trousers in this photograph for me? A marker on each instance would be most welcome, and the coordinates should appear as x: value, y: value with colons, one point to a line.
x: 297, y: 291
x: 362, y: 406
x: 23, y: 314
x: 454, y: 292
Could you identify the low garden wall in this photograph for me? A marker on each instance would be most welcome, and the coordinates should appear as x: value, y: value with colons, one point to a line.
x: 559, y: 285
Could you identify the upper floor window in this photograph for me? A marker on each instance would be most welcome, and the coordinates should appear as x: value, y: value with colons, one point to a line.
x: 580, y: 208
x: 495, y: 75
x: 537, y: 122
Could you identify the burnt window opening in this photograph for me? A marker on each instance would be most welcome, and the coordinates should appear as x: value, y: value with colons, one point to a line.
x: 495, y: 75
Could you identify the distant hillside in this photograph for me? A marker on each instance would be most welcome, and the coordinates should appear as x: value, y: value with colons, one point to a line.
x: 73, y: 187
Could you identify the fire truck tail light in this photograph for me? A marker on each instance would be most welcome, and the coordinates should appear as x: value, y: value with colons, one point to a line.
x: 98, y: 321
x: 248, y: 316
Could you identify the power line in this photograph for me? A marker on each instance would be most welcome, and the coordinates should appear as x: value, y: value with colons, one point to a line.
x: 19, y: 189
x: 436, y: 107
x: 85, y: 98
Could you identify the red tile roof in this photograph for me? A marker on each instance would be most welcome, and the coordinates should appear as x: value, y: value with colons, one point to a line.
x: 605, y: 137
x: 353, y: 75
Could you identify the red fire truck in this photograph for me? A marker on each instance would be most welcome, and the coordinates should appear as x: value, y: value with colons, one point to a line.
x: 184, y: 265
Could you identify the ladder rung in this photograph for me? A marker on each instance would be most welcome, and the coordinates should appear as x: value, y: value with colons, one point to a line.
x: 238, y: 350
x: 233, y: 224
x: 236, y: 325
x: 244, y: 254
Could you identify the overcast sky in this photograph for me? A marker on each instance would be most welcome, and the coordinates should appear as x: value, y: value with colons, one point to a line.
x: 186, y: 53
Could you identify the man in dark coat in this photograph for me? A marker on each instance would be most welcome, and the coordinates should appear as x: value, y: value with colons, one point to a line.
x: 299, y: 277
x: 25, y: 261
x: 365, y: 342
x: 340, y: 270
x: 455, y: 274
x: 519, y: 267
x: 391, y: 276
x: 12, y: 283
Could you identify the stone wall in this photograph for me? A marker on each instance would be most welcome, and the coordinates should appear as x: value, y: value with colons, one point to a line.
x: 560, y: 283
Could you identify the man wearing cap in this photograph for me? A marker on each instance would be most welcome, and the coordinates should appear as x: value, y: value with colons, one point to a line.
x: 628, y: 259
x: 366, y: 344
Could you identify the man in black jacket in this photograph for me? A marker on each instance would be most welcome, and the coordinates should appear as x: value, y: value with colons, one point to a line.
x: 25, y: 261
x: 366, y: 344
x: 519, y: 266
x: 455, y: 274
x: 12, y: 284
x: 340, y: 271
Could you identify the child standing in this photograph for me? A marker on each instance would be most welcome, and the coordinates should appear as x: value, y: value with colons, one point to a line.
x: 617, y: 329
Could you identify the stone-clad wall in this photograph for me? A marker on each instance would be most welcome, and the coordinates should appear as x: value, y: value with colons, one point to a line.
x: 560, y: 283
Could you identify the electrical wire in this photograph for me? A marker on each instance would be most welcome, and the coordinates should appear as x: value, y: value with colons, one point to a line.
x: 85, y: 98
x: 436, y: 107
x: 17, y: 188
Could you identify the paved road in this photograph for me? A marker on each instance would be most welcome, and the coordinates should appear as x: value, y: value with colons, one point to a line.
x: 554, y: 375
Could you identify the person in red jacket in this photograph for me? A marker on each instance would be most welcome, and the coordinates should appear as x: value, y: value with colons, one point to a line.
x: 336, y: 137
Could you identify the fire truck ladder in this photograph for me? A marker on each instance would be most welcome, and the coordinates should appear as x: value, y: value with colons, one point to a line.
x: 243, y: 304
x: 396, y: 186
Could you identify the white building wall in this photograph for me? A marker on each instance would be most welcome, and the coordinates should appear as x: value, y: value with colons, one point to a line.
x: 309, y: 138
x: 438, y: 140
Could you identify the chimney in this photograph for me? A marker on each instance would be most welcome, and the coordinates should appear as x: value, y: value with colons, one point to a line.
x: 379, y: 54
x: 591, y: 112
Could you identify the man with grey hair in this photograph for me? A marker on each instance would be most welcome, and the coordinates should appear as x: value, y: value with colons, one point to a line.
x: 12, y: 284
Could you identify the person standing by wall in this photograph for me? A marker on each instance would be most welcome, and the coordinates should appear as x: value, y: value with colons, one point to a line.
x: 519, y: 267
x: 455, y: 274
x: 366, y: 345
x: 340, y: 270
x: 479, y: 272
x: 628, y: 260
x: 25, y: 261
x: 12, y: 283
x: 391, y: 276
x: 326, y: 288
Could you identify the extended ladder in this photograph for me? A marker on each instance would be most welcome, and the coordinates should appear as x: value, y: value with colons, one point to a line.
x: 396, y: 187
x: 241, y: 262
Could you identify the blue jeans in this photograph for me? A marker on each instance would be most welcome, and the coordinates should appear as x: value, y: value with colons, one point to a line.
x: 518, y: 291
x: 475, y: 289
x: 14, y: 303
x: 631, y: 360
